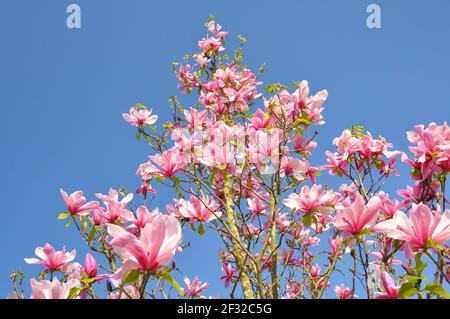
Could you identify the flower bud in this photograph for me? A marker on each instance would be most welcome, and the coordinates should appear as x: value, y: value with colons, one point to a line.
x: 90, y: 266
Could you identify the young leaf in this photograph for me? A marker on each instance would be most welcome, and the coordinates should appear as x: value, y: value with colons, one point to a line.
x: 201, y: 230
x: 406, y: 290
x: 131, y: 277
x: 437, y: 289
x: 63, y: 215
x: 167, y: 277
x: 74, y: 292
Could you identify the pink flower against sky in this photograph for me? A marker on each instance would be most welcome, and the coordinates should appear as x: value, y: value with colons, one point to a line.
x: 154, y: 248
x: 76, y: 203
x: 357, y: 216
x: 52, y: 259
x: 140, y: 117
x: 422, y: 225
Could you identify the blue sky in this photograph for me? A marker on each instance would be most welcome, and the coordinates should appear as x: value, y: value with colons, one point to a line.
x: 62, y: 92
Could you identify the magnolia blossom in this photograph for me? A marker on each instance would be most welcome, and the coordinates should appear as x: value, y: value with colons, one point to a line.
x: 156, y: 246
x: 431, y: 150
x: 422, y: 226
x: 337, y: 165
x: 346, y: 144
x: 293, y: 166
x: 229, y: 274
x: 54, y: 289
x: 143, y: 216
x: 200, y: 209
x: 76, y: 203
x: 195, y: 118
x: 391, y: 290
x: 140, y: 117
x: 90, y: 266
x: 113, y: 196
x: 257, y: 205
x: 343, y: 292
x: 170, y: 162
x: 312, y: 200
x: 357, y: 216
x: 260, y: 120
x: 52, y: 259
x: 195, y: 287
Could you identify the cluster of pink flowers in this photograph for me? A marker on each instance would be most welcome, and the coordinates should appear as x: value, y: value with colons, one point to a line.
x: 244, y: 173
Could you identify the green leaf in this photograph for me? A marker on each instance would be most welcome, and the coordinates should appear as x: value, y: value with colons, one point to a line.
x: 176, y: 180
x: 63, y: 215
x: 420, y: 266
x: 437, y: 289
x: 88, y: 280
x: 167, y: 277
x: 414, y: 279
x: 307, y: 220
x: 69, y: 223
x: 201, y: 230
x: 407, y: 290
x: 242, y: 39
x: 131, y: 277
x: 74, y: 292
x: 91, y: 235
x: 432, y: 243
x: 84, y: 226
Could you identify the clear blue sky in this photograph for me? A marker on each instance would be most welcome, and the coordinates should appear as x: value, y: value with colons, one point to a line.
x: 62, y: 92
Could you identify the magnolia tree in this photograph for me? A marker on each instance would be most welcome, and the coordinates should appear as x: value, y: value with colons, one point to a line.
x: 238, y: 162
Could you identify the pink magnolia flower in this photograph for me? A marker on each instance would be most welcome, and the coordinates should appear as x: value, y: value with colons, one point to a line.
x: 170, y: 162
x: 357, y: 216
x: 336, y: 164
x: 195, y: 287
x: 315, y: 271
x: 388, y: 207
x: 140, y: 117
x: 335, y: 244
x: 145, y: 188
x: 293, y: 166
x: 417, y: 193
x: 257, y: 206
x: 391, y: 290
x: 90, y: 266
x: 215, y: 29
x: 45, y: 289
x: 343, y: 292
x: 423, y: 225
x: 200, y: 209
x: 76, y: 203
x: 195, y: 118
x: 229, y: 274
x: 312, y: 200
x: 156, y: 246
x: 213, y: 44
x: 147, y: 170
x: 264, y: 146
x: 432, y: 148
x: 115, y: 211
x: 346, y: 144
x: 143, y: 216
x: 113, y: 195
x: 186, y: 79
x: 201, y: 59
x: 303, y: 146
x: 51, y: 259
x: 260, y: 120
x: 288, y: 258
